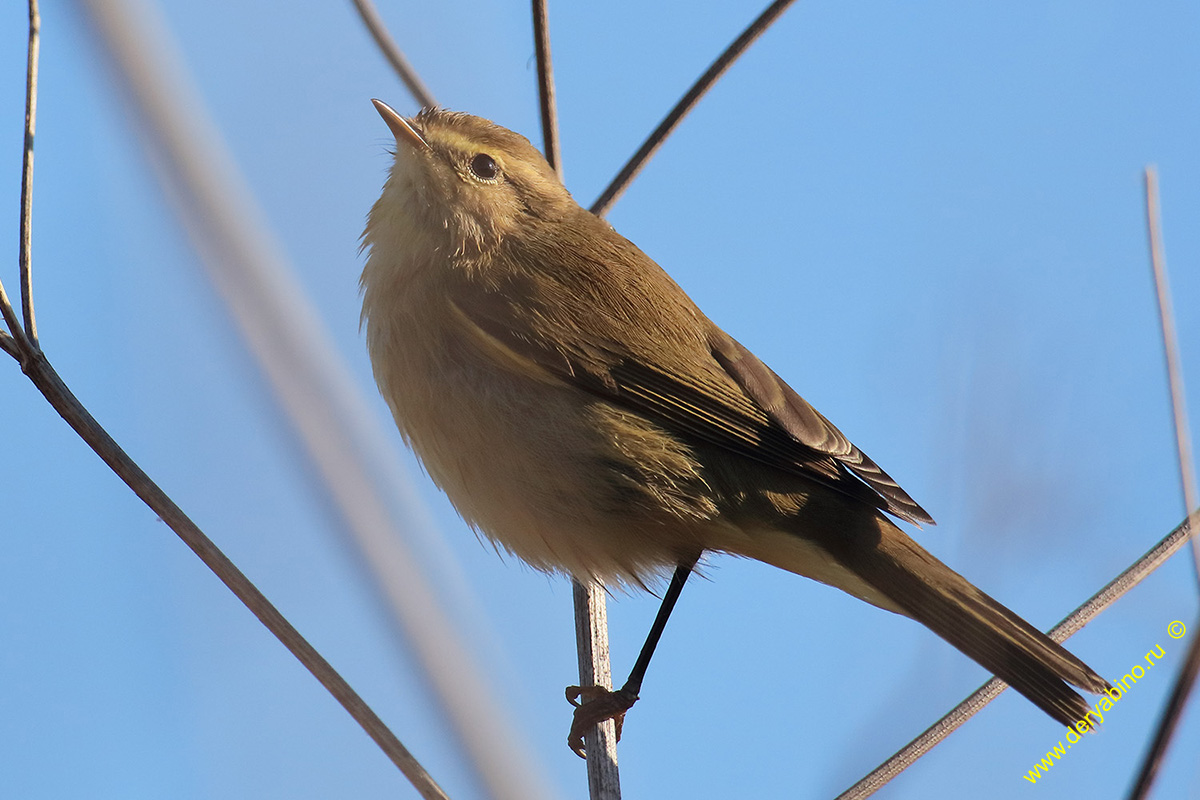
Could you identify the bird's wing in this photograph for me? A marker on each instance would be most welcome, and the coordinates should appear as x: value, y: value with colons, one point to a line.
x: 790, y: 412
x: 736, y: 402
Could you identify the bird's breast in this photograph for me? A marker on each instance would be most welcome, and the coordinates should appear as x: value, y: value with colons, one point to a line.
x: 563, y: 480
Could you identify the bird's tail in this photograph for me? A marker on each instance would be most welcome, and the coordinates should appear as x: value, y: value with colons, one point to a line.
x: 1002, y: 642
x: 886, y: 567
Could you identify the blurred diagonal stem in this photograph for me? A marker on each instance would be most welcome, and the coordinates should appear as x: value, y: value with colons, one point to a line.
x: 22, y: 344
x: 1186, y: 679
x: 43, y: 376
x: 1166, y: 316
x: 330, y: 416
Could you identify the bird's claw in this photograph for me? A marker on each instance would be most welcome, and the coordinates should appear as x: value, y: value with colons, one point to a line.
x: 593, y: 705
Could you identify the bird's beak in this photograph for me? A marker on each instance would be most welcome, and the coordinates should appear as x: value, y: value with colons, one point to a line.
x: 401, y: 128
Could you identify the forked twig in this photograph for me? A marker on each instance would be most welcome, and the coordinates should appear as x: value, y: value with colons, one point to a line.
x: 7, y: 344
x: 705, y: 82
x: 1186, y: 680
x: 15, y: 344
x: 391, y: 51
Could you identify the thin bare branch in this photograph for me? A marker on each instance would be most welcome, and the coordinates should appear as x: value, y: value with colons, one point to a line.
x: 591, y: 640
x: 31, y: 69
x: 1114, y: 590
x: 545, y: 70
x: 14, y: 343
x: 1185, y: 681
x: 391, y: 51
x: 9, y: 345
x: 686, y: 103
x: 17, y: 342
x: 68, y: 406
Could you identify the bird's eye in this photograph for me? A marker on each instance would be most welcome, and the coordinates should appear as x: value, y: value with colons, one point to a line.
x: 484, y: 167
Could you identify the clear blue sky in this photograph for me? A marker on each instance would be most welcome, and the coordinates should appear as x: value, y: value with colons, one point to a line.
x: 928, y: 218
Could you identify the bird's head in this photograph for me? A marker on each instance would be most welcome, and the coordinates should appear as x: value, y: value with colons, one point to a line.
x: 466, y: 181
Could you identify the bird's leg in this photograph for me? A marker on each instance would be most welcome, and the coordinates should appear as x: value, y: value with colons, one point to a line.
x: 599, y: 703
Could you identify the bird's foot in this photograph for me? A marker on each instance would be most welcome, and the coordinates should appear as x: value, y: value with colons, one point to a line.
x: 598, y: 705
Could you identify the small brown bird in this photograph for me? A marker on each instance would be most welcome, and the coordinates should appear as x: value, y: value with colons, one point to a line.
x: 580, y: 410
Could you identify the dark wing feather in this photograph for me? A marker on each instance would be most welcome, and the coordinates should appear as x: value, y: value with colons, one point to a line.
x: 807, y: 425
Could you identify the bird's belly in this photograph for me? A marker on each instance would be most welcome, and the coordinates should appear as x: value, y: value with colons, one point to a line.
x: 558, y: 478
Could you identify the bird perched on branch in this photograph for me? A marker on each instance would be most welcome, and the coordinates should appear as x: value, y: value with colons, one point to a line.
x: 580, y: 410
